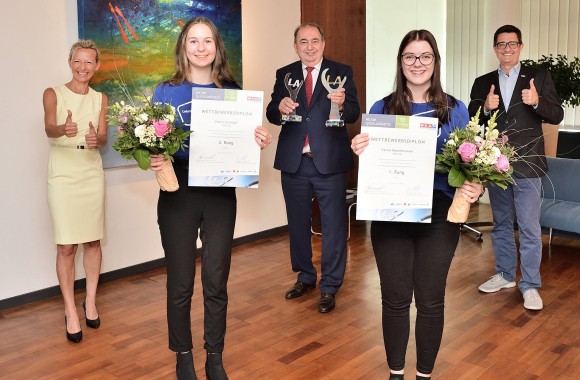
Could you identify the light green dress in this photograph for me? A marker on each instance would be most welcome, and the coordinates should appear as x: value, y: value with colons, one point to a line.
x: 76, y: 180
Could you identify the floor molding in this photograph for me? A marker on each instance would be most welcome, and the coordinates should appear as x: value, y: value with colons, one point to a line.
x: 123, y: 272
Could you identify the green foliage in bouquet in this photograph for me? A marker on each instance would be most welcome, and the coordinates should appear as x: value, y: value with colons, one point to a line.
x: 477, y: 153
x: 146, y: 129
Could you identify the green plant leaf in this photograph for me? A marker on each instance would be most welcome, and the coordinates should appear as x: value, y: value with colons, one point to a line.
x: 456, y: 177
x: 142, y: 158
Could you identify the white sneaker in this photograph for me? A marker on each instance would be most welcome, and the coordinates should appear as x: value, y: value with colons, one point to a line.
x: 496, y: 283
x: 532, y: 300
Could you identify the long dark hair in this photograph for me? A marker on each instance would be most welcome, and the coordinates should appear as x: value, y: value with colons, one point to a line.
x: 399, y: 101
x: 220, y: 70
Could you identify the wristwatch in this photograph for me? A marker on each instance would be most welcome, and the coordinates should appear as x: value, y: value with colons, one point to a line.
x: 482, y: 191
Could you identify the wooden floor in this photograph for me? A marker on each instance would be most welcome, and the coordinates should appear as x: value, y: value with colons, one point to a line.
x: 487, y: 336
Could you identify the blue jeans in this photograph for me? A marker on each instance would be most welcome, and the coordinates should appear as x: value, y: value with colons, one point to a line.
x: 520, y: 202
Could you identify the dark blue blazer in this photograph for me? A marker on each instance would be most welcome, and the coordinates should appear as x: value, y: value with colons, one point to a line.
x: 330, y: 146
x: 521, y: 122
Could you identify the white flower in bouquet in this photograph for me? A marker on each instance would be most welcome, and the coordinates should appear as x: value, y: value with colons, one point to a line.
x: 143, y: 117
x: 146, y: 129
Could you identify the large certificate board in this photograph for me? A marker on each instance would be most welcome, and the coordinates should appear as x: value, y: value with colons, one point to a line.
x: 222, y: 149
x: 396, y: 169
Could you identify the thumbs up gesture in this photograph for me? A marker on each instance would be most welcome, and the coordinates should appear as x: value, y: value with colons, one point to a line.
x: 492, y: 100
x: 70, y: 127
x: 91, y: 137
x: 530, y: 96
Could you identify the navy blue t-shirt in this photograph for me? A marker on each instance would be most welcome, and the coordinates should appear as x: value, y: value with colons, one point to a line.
x: 179, y: 96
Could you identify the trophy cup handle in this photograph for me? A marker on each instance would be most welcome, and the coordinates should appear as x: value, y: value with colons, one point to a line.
x: 293, y: 89
x: 334, y: 119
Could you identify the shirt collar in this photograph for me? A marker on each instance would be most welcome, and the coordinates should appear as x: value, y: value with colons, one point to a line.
x: 316, y: 67
x: 513, y: 71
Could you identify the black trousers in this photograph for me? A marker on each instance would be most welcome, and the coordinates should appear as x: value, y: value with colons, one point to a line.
x: 180, y: 215
x: 330, y: 190
x: 414, y: 258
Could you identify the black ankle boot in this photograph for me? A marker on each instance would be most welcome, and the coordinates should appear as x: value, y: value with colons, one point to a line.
x: 184, y: 368
x: 396, y: 376
x: 214, y: 368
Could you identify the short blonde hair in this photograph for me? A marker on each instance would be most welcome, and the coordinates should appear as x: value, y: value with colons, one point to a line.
x: 83, y: 44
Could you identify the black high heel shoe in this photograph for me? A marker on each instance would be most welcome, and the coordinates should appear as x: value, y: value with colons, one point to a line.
x: 76, y: 337
x: 92, y: 323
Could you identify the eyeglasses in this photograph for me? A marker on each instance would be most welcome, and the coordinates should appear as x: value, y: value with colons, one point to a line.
x: 503, y: 45
x: 410, y: 59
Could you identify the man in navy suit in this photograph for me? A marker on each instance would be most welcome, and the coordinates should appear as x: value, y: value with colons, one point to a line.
x: 314, y: 158
x: 525, y: 97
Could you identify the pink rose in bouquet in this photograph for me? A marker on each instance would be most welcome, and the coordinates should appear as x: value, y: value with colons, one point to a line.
x: 477, y: 154
x: 503, y: 164
x: 161, y: 127
x: 145, y: 129
x: 467, y: 151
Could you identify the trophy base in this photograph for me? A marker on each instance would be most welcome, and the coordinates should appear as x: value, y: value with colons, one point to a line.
x: 291, y: 118
x: 332, y: 123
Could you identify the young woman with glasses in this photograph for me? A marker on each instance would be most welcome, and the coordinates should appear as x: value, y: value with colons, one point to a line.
x: 414, y: 258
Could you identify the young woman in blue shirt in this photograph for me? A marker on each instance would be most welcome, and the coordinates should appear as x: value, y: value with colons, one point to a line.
x: 200, y: 60
x: 414, y: 258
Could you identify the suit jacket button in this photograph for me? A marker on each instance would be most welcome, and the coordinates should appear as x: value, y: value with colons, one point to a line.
x: 307, y: 119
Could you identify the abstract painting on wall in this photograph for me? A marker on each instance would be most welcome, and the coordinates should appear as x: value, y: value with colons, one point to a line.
x: 137, y: 41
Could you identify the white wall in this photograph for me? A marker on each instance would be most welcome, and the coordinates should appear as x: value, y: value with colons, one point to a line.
x: 470, y: 28
x: 492, y: 19
x: 552, y: 27
x: 387, y: 24
x: 460, y: 28
x: 35, y: 57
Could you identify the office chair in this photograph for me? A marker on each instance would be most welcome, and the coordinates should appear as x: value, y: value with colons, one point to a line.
x: 350, y: 203
x: 470, y: 227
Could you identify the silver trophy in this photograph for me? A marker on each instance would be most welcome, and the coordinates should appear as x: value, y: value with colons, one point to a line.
x: 293, y: 89
x: 334, y: 117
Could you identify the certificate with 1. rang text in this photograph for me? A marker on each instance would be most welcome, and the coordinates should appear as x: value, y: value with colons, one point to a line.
x: 396, y: 169
x: 222, y: 148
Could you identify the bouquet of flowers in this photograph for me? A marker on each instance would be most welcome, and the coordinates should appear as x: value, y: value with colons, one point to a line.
x: 143, y: 130
x: 476, y: 153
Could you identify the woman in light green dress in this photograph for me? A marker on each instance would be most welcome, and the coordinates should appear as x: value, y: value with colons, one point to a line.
x: 75, y: 124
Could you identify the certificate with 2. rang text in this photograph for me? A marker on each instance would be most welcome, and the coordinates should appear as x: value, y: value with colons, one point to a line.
x: 396, y: 169
x: 222, y: 149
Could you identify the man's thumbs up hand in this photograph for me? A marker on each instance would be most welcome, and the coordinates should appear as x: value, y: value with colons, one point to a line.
x: 530, y: 96
x: 492, y: 100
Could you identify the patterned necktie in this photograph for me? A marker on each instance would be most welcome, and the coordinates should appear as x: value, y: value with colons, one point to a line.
x: 308, y: 85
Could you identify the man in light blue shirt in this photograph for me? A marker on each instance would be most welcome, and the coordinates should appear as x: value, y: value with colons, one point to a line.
x: 525, y: 99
